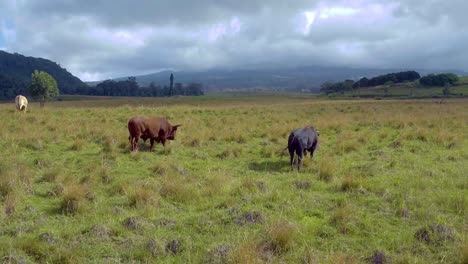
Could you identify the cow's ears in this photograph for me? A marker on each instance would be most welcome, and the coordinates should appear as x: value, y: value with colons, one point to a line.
x: 176, y: 126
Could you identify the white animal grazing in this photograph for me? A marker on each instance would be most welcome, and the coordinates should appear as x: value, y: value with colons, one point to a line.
x: 21, y: 103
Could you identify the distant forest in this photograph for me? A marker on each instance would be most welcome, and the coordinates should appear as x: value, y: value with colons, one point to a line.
x: 430, y: 80
x: 16, y: 71
x: 130, y: 87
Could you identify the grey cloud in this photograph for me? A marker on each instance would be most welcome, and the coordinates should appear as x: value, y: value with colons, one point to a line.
x: 120, y: 38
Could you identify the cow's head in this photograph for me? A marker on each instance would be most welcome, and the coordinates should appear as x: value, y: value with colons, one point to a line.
x: 172, y: 133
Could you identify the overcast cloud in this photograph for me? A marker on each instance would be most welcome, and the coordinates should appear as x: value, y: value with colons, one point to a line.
x: 99, y: 39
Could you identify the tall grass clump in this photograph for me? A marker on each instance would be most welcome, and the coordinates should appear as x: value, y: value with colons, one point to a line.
x: 52, y: 174
x: 346, y: 142
x: 215, y: 184
x: 281, y: 235
x: 142, y: 196
x: 74, y: 197
x: 177, y: 188
x: 10, y: 203
x: 349, y: 183
x: 342, y: 219
x: 78, y: 145
x: 327, y: 169
x: 246, y: 252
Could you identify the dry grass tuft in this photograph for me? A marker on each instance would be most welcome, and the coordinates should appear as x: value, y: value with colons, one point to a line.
x: 143, y: 196
x: 178, y: 189
x: 215, y: 184
x: 51, y: 175
x: 464, y: 253
x: 231, y: 152
x: 341, y: 258
x: 162, y: 168
x: 346, y: 142
x: 349, y: 184
x: 246, y: 252
x: 342, y: 219
x: 73, y: 198
x: 326, y: 169
x: 10, y: 204
x: 281, y: 235
x: 7, y: 182
x: 78, y: 145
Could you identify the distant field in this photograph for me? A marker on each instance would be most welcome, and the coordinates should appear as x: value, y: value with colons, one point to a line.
x: 388, y: 180
x: 408, y: 90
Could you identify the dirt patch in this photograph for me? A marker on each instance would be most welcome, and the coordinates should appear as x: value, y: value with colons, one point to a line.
x: 154, y: 247
x: 174, y: 247
x: 267, y: 251
x: 395, y: 144
x: 100, y: 231
x: 166, y: 222
x: 47, y: 237
x: 378, y: 258
x: 434, y: 234
x: 13, y: 259
x: 261, y: 185
x: 133, y: 222
x: 251, y: 217
x: 219, y: 254
x: 302, y: 185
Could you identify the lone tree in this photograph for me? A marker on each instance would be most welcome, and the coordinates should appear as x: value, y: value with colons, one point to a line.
x: 43, y: 86
x: 172, y: 84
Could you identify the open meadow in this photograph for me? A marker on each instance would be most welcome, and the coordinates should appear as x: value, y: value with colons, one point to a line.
x: 388, y: 182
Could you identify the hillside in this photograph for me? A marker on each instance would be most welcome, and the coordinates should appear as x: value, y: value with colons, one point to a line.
x: 16, y: 70
x: 408, y: 89
x: 280, y: 78
x: 264, y: 77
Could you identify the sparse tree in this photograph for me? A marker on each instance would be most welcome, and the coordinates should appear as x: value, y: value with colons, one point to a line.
x: 171, y: 84
x: 43, y: 86
x: 445, y: 92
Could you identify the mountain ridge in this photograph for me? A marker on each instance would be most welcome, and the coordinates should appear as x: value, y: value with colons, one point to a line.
x: 294, y: 78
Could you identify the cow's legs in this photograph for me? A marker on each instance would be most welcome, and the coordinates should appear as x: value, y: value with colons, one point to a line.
x: 299, y: 153
x: 135, y: 143
x: 314, y: 146
x: 291, y: 154
x: 152, y: 143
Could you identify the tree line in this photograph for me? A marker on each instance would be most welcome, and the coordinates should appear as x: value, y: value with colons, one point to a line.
x: 17, y: 71
x: 130, y: 87
x: 430, y: 80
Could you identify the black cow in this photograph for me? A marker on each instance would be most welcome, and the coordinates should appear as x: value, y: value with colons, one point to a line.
x: 300, y: 141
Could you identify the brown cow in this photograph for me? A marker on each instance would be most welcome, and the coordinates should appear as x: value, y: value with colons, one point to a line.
x: 156, y: 129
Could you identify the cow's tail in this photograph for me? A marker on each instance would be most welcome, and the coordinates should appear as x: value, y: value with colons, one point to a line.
x: 22, y: 107
x: 290, y: 141
x: 289, y: 144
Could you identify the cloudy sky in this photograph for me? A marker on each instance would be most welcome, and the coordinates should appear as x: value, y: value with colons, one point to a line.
x: 100, y: 39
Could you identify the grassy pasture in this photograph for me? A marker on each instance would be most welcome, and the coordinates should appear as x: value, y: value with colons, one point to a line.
x: 388, y: 181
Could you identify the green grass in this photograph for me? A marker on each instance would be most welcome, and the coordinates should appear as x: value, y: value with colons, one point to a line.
x: 389, y: 176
